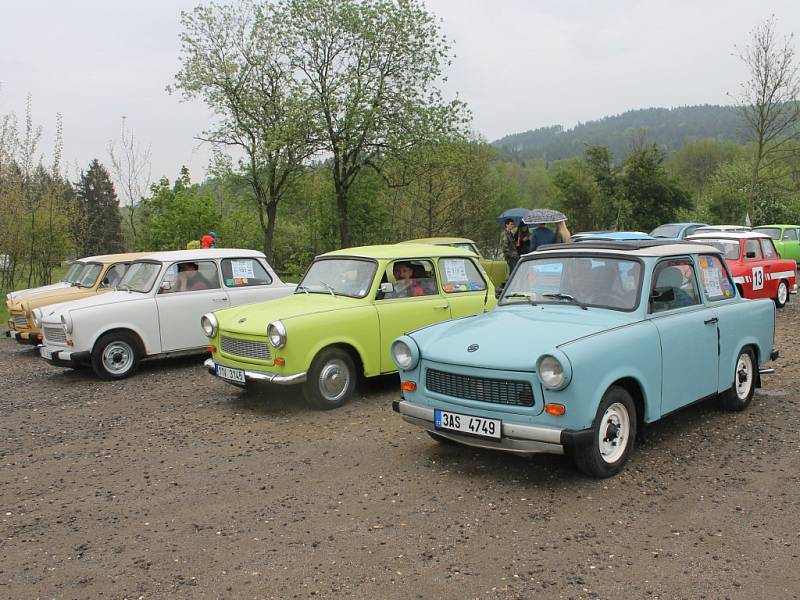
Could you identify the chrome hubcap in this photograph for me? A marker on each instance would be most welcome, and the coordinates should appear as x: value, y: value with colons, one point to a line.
x: 615, y: 428
x: 117, y: 357
x: 334, y: 379
x: 744, y: 376
x: 783, y: 292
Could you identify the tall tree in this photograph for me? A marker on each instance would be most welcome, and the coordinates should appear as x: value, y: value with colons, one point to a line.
x: 100, y: 224
x: 130, y: 165
x: 372, y: 67
x: 235, y: 60
x: 769, y: 101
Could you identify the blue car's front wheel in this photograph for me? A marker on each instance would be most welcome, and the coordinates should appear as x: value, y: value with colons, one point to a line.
x: 613, y: 433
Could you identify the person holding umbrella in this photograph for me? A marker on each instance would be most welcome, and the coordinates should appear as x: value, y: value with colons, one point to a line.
x: 508, y: 244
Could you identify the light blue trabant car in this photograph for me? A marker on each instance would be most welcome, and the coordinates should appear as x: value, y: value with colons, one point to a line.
x: 589, y: 341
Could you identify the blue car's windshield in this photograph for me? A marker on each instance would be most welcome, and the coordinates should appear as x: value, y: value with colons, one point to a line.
x: 667, y: 231
x: 583, y: 280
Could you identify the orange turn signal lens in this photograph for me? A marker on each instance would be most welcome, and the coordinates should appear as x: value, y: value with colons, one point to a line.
x: 408, y: 386
x: 556, y: 410
x: 212, y: 349
x: 280, y: 361
x: 70, y: 344
x: 39, y: 337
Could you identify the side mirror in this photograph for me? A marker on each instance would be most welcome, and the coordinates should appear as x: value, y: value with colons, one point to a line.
x: 750, y: 254
x: 663, y: 294
x: 104, y: 283
x: 498, y: 292
x: 387, y: 288
x: 165, y: 286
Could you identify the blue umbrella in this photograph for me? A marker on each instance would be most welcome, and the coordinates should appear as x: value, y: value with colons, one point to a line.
x: 513, y: 213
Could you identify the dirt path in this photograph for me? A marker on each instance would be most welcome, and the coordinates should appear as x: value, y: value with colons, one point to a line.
x: 174, y: 484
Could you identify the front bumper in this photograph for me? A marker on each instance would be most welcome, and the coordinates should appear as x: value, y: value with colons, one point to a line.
x: 516, y: 438
x: 23, y: 337
x: 257, y: 375
x: 66, y: 358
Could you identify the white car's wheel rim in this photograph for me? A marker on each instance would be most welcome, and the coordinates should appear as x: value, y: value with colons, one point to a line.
x: 783, y: 292
x: 334, y: 379
x: 117, y: 357
x: 614, y: 431
x: 744, y: 376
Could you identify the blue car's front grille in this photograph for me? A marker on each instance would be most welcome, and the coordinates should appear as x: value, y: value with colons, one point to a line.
x: 482, y: 389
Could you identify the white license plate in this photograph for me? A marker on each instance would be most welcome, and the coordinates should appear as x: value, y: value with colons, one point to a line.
x: 235, y: 375
x: 46, y: 353
x: 490, y: 428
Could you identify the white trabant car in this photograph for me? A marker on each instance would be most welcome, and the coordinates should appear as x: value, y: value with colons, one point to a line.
x: 155, y: 310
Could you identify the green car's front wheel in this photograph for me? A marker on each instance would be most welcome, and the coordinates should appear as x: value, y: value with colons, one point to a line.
x: 331, y: 379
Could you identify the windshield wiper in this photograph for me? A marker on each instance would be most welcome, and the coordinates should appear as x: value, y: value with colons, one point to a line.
x: 528, y: 297
x: 568, y: 298
x: 301, y: 287
x: 330, y: 289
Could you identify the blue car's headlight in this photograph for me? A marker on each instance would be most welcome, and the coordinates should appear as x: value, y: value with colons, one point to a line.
x: 405, y: 353
x: 554, y: 372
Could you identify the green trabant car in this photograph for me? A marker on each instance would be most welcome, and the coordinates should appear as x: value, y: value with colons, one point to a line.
x: 496, y: 269
x: 341, y: 321
x: 786, y: 238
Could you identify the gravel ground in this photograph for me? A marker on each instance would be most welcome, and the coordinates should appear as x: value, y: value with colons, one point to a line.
x: 174, y: 484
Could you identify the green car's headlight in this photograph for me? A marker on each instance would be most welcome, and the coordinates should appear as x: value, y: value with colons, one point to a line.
x: 554, y: 373
x: 276, y: 333
x: 209, y: 324
x: 405, y: 353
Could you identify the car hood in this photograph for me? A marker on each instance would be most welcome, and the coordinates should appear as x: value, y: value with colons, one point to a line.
x: 53, y: 297
x: 513, y: 337
x: 52, y: 312
x: 253, y: 318
x: 15, y: 296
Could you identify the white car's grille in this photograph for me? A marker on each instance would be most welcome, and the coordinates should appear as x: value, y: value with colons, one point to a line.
x: 20, y: 320
x: 55, y: 335
x: 245, y: 348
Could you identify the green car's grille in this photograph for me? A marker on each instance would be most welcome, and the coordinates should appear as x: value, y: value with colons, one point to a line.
x: 245, y: 348
x: 482, y: 389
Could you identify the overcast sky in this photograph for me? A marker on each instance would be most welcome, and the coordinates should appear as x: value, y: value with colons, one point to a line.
x: 520, y: 64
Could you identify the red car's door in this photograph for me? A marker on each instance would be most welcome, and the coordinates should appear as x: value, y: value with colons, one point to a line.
x: 760, y: 285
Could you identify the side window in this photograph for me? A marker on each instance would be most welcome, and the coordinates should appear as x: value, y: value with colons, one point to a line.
x: 460, y: 275
x: 752, y: 250
x: 409, y: 279
x: 190, y: 276
x: 690, y: 230
x: 769, y: 249
x: 113, y: 275
x: 714, y: 278
x: 790, y: 234
x: 244, y: 272
x: 673, y: 285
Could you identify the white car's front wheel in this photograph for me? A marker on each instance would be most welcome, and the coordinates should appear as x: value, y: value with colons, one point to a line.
x: 115, y: 355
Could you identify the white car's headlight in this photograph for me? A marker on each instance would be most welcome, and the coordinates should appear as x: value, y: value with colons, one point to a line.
x: 36, y: 315
x: 209, y: 324
x: 276, y: 333
x: 66, y: 320
x: 553, y: 373
x: 405, y: 353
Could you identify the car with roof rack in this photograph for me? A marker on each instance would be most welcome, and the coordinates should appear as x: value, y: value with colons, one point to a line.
x: 87, y: 277
x: 608, y: 336
x: 340, y: 322
x: 758, y: 271
x: 155, y: 309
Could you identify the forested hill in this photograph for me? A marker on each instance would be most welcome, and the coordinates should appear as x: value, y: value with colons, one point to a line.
x: 668, y: 127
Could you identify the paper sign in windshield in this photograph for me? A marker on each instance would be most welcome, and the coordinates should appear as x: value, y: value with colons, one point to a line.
x: 455, y: 270
x: 242, y: 269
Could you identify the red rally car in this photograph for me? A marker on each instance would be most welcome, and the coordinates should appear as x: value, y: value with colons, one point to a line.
x: 757, y: 269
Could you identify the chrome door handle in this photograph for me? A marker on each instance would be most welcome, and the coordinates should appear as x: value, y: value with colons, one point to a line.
x: 711, y: 321
x: 219, y: 299
x: 441, y: 307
